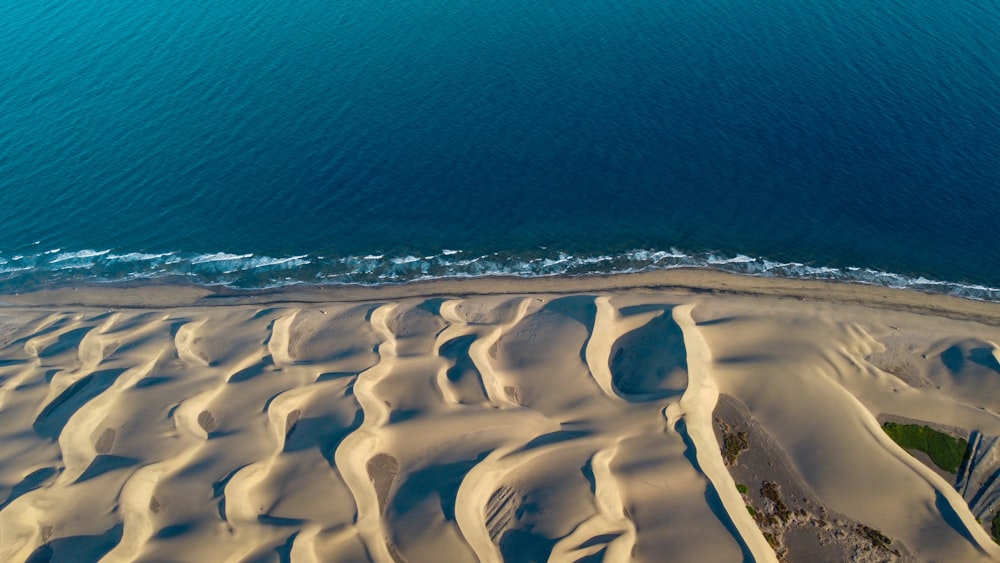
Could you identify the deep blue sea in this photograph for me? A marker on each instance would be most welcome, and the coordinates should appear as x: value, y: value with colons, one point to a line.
x: 269, y: 142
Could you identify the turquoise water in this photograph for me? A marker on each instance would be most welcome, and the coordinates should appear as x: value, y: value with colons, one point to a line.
x: 265, y: 143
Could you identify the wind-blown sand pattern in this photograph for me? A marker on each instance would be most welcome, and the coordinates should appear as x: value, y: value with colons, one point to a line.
x: 508, y: 427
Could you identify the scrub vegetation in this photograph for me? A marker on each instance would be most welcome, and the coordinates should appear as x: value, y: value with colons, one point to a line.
x: 944, y: 450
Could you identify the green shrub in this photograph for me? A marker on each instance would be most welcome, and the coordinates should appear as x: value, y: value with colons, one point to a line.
x: 733, y: 444
x: 772, y: 540
x: 945, y: 451
x: 877, y: 538
x: 742, y: 488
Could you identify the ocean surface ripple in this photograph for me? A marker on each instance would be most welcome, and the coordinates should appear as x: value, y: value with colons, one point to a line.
x: 280, y: 143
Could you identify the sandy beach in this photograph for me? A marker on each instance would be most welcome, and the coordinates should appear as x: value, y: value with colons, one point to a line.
x: 685, y: 415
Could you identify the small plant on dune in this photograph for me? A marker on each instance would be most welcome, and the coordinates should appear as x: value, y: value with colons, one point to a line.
x: 769, y: 490
x: 733, y: 444
x: 877, y: 538
x: 772, y: 540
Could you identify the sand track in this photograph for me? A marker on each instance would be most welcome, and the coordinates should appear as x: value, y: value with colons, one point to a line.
x: 486, y: 428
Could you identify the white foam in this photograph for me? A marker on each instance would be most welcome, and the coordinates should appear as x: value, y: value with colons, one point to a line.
x: 81, y: 255
x: 138, y: 256
x: 267, y: 261
x: 223, y: 268
x: 15, y: 269
x: 219, y: 257
x: 738, y: 259
x: 654, y: 255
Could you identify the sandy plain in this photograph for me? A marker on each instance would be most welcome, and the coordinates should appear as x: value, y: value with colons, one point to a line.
x: 563, y: 419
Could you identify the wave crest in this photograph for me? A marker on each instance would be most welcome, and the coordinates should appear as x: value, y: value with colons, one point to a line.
x: 252, y: 271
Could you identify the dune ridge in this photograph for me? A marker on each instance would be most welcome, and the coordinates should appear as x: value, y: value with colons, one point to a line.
x: 498, y: 427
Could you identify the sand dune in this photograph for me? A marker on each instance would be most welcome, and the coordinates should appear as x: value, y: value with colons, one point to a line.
x: 512, y: 426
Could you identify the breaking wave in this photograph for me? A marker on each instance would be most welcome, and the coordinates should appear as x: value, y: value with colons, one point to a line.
x: 253, y: 271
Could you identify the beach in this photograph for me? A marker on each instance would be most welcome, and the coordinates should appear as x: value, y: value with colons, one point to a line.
x: 562, y: 419
x: 499, y: 281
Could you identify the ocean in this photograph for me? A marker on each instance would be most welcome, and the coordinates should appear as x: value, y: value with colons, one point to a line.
x: 266, y: 143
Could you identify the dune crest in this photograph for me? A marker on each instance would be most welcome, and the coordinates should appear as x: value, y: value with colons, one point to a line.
x: 617, y: 425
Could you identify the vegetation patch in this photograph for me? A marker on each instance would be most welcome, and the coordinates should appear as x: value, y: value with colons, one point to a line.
x: 877, y: 538
x: 995, y: 528
x: 772, y: 540
x: 742, y: 488
x: 733, y: 444
x: 771, y: 492
x: 944, y: 450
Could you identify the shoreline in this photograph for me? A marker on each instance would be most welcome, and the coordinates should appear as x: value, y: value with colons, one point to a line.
x: 254, y: 274
x: 166, y: 293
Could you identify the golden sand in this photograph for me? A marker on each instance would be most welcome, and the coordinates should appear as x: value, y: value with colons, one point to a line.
x: 485, y: 420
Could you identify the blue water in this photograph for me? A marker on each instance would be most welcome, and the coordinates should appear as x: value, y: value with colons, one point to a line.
x: 263, y: 143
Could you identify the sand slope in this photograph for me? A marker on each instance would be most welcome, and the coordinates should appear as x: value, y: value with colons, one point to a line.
x: 488, y: 428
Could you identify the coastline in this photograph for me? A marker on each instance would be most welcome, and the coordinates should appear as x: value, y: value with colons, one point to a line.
x: 165, y: 293
x: 494, y: 282
x: 254, y: 273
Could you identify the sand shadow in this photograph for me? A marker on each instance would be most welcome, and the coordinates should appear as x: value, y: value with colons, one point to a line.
x: 464, y: 374
x: 958, y: 356
x: 246, y: 374
x: 53, y: 418
x: 284, y: 550
x: 105, y: 463
x: 69, y: 340
x: 320, y: 432
x: 952, y: 518
x: 526, y: 545
x: 712, y: 497
x: 175, y: 530
x: 78, y: 548
x: 432, y: 305
x: 554, y: 438
x: 650, y: 362
x: 744, y: 359
x: 332, y: 375
x: 580, y: 308
x: 984, y: 357
x: 457, y: 350
x: 442, y: 480
x: 953, y: 358
x: 153, y: 381
x: 32, y: 481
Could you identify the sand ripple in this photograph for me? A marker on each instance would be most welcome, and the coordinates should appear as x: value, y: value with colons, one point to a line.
x: 493, y: 428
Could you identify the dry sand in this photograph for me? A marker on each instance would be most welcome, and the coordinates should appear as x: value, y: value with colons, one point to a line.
x: 485, y: 420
